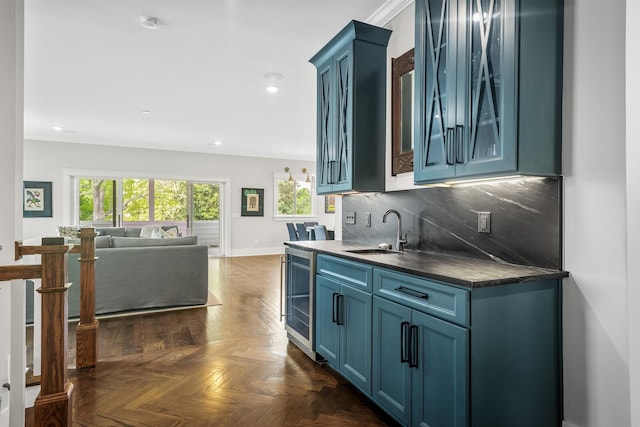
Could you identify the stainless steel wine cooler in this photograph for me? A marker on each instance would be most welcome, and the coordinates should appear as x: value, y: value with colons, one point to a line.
x: 297, y: 288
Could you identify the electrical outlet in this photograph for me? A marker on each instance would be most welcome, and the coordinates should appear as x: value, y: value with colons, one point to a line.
x: 349, y: 217
x: 367, y: 219
x: 484, y: 222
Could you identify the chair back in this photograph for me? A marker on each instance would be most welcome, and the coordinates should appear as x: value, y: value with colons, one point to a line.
x: 302, y: 231
x: 310, y: 223
x: 292, y: 231
x: 320, y: 232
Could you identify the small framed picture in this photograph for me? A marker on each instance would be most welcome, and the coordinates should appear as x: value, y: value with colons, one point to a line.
x: 330, y: 204
x: 36, y: 199
x: 252, y: 202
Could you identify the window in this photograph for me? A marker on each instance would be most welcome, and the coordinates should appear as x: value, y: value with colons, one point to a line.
x: 295, y: 197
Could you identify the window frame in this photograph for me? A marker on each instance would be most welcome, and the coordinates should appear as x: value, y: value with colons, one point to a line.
x: 277, y: 177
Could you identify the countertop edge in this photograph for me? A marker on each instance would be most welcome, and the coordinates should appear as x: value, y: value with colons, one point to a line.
x: 535, y: 274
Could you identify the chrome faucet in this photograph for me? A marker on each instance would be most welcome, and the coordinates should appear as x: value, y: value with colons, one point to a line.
x: 400, y: 239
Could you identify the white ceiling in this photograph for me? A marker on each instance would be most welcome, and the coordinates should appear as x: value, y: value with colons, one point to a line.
x: 91, y: 67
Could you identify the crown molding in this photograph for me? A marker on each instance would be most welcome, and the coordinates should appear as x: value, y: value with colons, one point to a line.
x: 388, y: 11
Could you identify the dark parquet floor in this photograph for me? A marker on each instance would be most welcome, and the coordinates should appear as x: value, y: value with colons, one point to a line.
x: 227, y: 365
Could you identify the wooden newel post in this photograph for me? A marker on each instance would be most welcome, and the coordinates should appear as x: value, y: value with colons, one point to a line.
x: 87, y: 329
x: 52, y: 407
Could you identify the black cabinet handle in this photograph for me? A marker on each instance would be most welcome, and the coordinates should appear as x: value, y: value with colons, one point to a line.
x: 334, y: 317
x: 413, y: 338
x: 404, y: 342
x: 340, y: 310
x: 413, y: 293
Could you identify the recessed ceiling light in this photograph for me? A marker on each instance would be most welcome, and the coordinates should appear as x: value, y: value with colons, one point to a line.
x: 57, y: 128
x: 216, y: 143
x: 272, y: 81
x: 145, y: 112
x: 149, y: 22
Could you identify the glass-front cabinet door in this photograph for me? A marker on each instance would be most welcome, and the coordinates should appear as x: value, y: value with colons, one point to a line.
x: 432, y: 56
x: 342, y: 162
x: 465, y: 56
x: 326, y: 142
x: 335, y: 123
x: 489, y: 128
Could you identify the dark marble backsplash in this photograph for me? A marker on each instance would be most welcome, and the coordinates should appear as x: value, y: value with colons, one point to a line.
x: 525, y: 220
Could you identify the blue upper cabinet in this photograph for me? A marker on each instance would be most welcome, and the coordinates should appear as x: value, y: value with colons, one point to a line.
x: 351, y: 119
x: 489, y: 88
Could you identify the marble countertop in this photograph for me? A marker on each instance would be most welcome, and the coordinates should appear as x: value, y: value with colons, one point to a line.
x: 457, y: 270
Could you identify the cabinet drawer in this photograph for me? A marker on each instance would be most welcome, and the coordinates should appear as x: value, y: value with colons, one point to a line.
x: 447, y: 302
x: 352, y: 273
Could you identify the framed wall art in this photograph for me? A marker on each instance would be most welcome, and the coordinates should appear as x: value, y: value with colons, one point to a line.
x: 330, y: 204
x: 36, y: 199
x: 252, y: 202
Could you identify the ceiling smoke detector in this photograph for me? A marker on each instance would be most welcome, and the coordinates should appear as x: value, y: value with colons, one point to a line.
x: 149, y: 22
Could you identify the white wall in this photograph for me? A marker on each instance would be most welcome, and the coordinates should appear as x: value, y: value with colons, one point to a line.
x: 633, y: 201
x: 596, y: 367
x: 47, y: 161
x: 402, y: 39
x: 599, y: 329
x: 11, y: 106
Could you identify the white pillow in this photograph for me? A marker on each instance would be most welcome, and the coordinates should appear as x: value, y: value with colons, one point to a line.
x: 158, y: 233
x: 151, y: 231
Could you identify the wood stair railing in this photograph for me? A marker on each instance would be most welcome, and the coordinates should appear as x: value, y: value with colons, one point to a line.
x: 53, y: 405
x: 87, y: 329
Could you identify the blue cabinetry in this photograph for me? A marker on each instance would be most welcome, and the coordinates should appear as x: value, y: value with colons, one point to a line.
x: 343, y: 318
x: 420, y: 362
x: 351, y: 99
x: 434, y: 354
x: 488, y: 91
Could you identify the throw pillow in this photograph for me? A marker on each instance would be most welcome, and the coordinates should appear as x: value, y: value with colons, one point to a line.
x: 157, y: 233
x: 70, y: 231
x: 171, y: 233
x: 148, y: 230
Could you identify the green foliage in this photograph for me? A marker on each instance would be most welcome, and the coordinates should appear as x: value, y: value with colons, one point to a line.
x: 285, y: 197
x: 206, y: 202
x: 170, y: 200
x: 96, y: 199
x: 294, y: 198
x: 169, y: 196
x: 303, y: 201
x: 135, y: 199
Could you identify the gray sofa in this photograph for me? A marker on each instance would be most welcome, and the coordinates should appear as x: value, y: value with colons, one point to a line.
x: 134, y: 273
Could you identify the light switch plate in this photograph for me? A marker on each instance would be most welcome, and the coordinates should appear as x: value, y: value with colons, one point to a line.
x: 484, y: 222
x: 349, y: 217
x: 367, y: 219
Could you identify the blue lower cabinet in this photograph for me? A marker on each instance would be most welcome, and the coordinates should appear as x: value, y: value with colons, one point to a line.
x: 391, y: 372
x: 355, y: 337
x: 420, y: 366
x: 343, y: 330
x: 327, y: 329
x: 439, y: 381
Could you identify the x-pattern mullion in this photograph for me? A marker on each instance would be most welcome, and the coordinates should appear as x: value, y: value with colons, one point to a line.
x: 484, y: 70
x: 434, y: 55
x: 344, y: 104
x: 325, y: 132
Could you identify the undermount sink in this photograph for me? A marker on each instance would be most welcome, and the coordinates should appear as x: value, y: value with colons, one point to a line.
x: 373, y: 251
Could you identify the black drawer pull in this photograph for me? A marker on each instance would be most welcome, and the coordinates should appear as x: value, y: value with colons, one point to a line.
x: 405, y: 345
x: 412, y: 292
